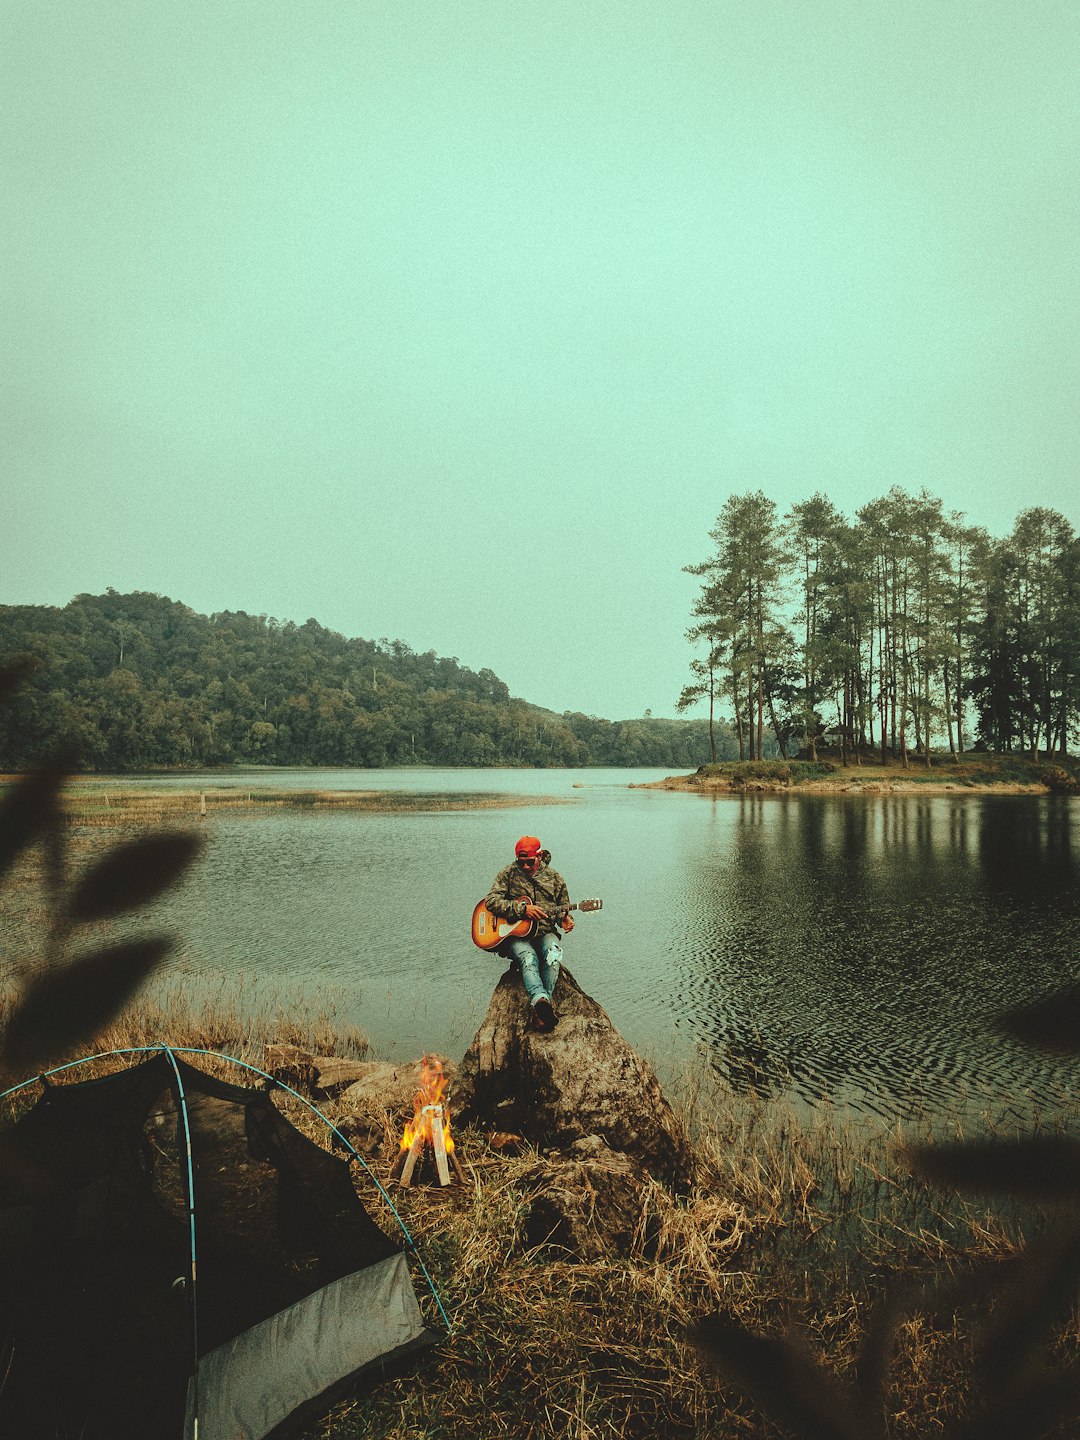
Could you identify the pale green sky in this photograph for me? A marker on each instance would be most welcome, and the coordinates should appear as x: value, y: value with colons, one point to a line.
x: 458, y: 323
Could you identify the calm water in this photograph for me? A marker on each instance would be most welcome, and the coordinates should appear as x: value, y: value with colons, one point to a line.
x: 849, y: 947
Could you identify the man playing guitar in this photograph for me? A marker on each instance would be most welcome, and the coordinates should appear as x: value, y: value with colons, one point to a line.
x: 528, y: 889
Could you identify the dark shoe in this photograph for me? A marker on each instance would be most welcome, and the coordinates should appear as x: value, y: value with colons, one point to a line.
x: 544, y: 1016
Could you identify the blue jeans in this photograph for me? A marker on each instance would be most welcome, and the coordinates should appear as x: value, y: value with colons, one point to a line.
x: 538, y: 960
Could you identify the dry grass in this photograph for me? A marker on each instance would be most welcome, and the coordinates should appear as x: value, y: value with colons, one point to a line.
x: 236, y: 1019
x: 789, y: 1223
x: 792, y: 1221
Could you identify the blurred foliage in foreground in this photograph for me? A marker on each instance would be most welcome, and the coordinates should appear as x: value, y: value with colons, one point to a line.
x: 69, y: 993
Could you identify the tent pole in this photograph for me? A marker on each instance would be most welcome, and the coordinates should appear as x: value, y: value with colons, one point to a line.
x: 193, y: 1307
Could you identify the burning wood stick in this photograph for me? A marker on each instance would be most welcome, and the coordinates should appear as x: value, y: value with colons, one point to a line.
x: 430, y: 1125
x: 415, y: 1150
x: 438, y: 1140
x: 398, y: 1165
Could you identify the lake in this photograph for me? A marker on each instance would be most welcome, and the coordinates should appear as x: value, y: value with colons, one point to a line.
x: 844, y: 947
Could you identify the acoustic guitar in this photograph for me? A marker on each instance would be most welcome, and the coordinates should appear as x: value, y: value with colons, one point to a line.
x: 489, y: 931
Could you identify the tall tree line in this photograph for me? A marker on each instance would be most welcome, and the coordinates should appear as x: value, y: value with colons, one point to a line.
x: 901, y: 631
x: 140, y: 681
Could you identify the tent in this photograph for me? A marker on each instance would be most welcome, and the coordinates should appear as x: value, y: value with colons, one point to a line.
x: 177, y: 1260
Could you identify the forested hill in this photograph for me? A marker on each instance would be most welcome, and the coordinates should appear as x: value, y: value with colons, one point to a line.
x: 139, y: 681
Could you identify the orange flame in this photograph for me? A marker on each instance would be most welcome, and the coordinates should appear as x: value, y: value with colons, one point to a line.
x: 432, y: 1087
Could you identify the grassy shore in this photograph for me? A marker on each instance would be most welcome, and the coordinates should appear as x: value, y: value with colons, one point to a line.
x: 972, y: 773
x: 790, y: 1223
x: 789, y: 1226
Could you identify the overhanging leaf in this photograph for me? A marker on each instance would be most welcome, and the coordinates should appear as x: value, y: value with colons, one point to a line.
x: 1030, y: 1410
x: 1028, y: 1312
x: 27, y: 809
x: 1042, y: 1168
x: 781, y: 1376
x: 61, y: 1008
x: 132, y: 874
x: 1052, y: 1024
x: 879, y: 1341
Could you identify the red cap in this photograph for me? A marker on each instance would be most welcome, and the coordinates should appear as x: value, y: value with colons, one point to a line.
x: 527, y: 845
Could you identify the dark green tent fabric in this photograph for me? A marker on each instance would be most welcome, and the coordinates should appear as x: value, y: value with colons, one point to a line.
x: 102, y: 1333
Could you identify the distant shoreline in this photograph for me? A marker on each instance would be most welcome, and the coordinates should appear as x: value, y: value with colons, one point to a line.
x: 92, y: 800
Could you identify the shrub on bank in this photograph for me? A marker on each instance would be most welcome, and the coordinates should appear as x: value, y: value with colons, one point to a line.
x: 1062, y: 780
x: 788, y: 772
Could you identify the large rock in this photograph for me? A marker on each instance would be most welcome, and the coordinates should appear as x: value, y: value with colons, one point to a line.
x: 323, y: 1075
x: 558, y: 1088
x: 383, y: 1086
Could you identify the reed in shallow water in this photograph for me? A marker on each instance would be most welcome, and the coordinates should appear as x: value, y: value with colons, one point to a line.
x: 235, y: 1018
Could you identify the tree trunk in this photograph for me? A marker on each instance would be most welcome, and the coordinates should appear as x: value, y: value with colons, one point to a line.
x: 905, y: 698
x: 712, y: 708
x: 775, y: 726
x: 760, y: 710
x: 841, y: 735
x: 738, y: 713
x: 750, y: 667
x: 948, y: 711
x: 857, y: 681
x: 866, y: 687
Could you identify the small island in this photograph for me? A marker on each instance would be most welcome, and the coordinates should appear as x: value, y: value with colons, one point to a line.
x: 979, y: 773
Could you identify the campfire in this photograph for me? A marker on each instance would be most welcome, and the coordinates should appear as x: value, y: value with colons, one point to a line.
x: 429, y: 1130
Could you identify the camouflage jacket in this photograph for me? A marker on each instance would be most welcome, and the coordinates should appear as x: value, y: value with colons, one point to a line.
x: 513, y: 888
